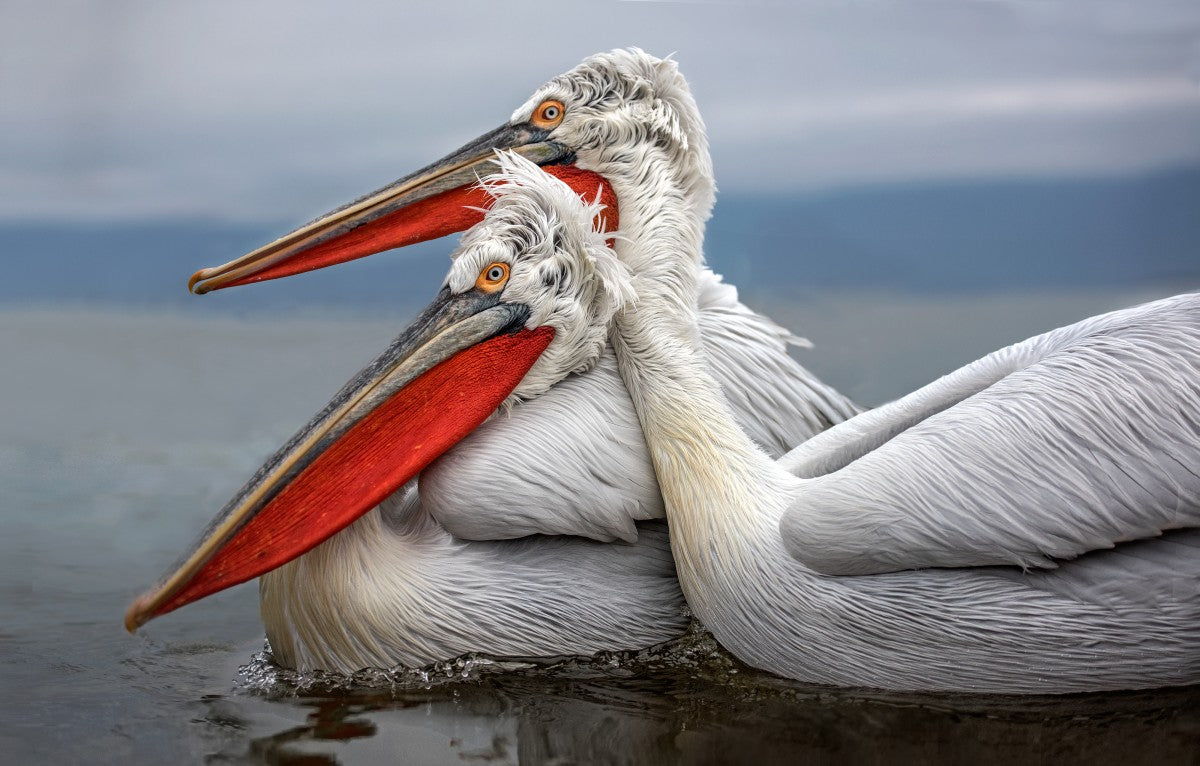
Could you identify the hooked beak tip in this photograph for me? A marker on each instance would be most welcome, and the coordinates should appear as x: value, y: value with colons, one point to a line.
x: 135, y: 615
x: 199, y: 276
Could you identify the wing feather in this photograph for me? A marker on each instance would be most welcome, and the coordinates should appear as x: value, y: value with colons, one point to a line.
x: 1069, y: 442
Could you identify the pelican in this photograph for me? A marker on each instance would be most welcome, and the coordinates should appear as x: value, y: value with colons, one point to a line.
x: 794, y: 575
x: 522, y: 308
x: 1027, y: 524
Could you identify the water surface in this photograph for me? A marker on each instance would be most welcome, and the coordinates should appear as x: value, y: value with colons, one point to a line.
x: 124, y: 432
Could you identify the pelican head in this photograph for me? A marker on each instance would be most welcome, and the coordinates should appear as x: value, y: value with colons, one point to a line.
x: 553, y: 249
x: 616, y: 113
x: 527, y: 301
x: 620, y: 126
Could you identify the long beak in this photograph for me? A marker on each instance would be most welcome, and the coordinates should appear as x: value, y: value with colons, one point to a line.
x: 433, y: 385
x: 440, y: 199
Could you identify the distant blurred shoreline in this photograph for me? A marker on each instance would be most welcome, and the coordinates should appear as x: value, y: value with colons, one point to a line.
x: 946, y: 238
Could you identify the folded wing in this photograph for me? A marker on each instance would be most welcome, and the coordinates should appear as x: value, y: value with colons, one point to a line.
x: 1072, y: 441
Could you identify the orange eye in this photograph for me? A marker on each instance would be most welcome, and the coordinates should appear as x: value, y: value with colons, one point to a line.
x: 548, y: 114
x: 493, y: 277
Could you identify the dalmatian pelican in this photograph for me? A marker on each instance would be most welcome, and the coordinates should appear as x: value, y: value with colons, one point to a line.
x: 1027, y: 524
x: 349, y: 583
x: 953, y: 540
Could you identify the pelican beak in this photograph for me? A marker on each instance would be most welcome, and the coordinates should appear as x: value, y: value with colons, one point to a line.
x: 433, y: 385
x: 440, y: 199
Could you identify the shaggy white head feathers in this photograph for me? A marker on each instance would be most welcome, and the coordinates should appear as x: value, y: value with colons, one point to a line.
x: 621, y: 107
x: 559, y: 265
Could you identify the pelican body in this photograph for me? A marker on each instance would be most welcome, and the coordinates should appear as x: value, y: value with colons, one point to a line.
x: 1027, y: 524
x: 394, y: 586
x: 741, y: 526
x: 1073, y: 453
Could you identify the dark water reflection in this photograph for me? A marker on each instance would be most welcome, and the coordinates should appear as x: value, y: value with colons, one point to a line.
x: 695, y: 705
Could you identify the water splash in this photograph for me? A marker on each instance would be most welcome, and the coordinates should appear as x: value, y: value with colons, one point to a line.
x: 695, y: 654
x: 263, y: 675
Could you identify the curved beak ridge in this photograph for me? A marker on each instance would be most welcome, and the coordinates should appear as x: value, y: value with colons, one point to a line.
x: 432, y: 202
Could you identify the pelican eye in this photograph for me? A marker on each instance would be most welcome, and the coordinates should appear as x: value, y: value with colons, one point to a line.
x: 548, y: 114
x: 492, y: 277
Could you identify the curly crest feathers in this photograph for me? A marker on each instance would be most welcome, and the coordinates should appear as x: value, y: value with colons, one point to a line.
x: 524, y: 193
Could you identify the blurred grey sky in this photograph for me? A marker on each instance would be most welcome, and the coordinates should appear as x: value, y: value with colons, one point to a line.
x: 263, y: 110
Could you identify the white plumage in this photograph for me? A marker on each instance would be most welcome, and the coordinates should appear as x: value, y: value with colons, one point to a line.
x: 1094, y: 623
x: 575, y: 460
x: 958, y: 489
x: 396, y: 587
x: 430, y: 578
x: 907, y: 486
x: 1043, y: 454
x: 1115, y: 397
x: 410, y: 582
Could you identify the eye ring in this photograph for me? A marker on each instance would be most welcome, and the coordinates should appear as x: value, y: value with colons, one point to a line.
x: 493, y: 277
x: 548, y: 114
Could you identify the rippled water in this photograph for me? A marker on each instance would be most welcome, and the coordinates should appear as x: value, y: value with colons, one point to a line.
x: 124, y: 432
x: 691, y: 702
